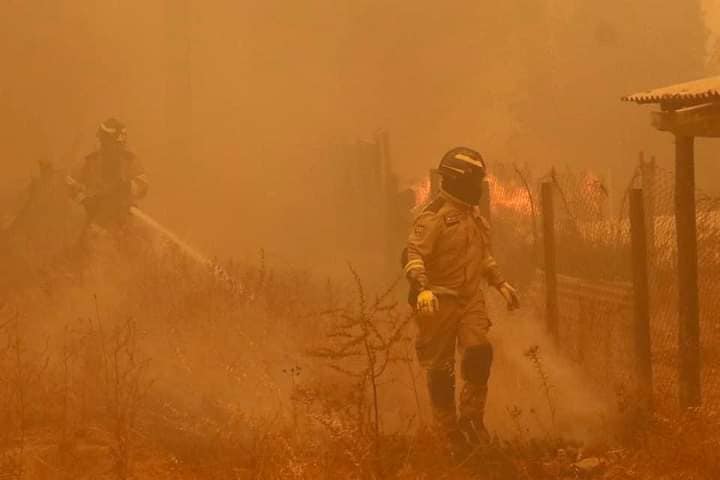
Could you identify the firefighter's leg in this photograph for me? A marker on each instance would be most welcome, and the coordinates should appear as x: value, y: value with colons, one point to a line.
x: 436, y: 339
x: 441, y: 385
x: 477, y: 357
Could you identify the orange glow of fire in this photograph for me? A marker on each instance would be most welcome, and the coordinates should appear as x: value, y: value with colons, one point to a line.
x: 592, y: 187
x: 509, y: 197
x: 502, y: 196
x: 422, y: 191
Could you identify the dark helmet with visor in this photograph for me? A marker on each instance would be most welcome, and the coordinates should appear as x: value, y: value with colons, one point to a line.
x: 112, y: 132
x: 463, y: 172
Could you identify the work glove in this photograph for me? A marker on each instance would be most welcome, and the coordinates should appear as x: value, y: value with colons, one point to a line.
x: 510, y: 295
x: 427, y: 303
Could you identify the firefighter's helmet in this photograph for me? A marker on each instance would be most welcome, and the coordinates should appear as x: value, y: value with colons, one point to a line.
x: 461, y: 162
x: 463, y: 171
x: 112, y: 131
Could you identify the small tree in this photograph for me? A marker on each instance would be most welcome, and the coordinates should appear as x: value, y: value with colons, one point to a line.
x: 362, y: 341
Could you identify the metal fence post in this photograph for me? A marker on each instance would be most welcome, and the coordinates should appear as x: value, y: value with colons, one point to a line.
x: 551, y: 296
x: 643, y: 354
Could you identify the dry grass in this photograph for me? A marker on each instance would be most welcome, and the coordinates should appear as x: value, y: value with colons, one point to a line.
x: 152, y: 369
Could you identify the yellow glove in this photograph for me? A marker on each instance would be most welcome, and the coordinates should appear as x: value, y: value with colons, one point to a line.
x: 510, y: 295
x: 427, y: 303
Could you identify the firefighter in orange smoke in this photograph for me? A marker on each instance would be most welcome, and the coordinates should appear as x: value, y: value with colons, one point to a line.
x: 447, y: 259
x: 110, y: 180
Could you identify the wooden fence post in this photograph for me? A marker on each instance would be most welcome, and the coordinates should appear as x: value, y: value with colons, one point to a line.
x: 688, y: 303
x: 643, y: 354
x: 551, y: 296
x: 648, y: 180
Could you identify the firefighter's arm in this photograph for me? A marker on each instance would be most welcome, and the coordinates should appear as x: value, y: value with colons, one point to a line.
x: 77, y: 190
x: 492, y: 273
x: 490, y: 267
x: 421, y: 243
x: 510, y: 295
x: 139, y: 184
x: 76, y: 182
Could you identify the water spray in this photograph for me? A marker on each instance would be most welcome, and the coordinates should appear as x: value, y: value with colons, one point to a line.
x: 216, y: 270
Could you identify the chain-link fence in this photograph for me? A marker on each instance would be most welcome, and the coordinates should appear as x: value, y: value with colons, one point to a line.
x: 514, y: 219
x: 659, y: 186
x: 592, y: 241
x: 596, y: 324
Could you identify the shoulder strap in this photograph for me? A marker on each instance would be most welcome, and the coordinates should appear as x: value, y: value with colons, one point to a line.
x: 435, y: 205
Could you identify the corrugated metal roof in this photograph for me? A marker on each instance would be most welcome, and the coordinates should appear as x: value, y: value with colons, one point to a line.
x: 698, y: 90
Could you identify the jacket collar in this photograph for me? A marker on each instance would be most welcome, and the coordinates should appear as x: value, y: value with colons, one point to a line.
x: 456, y: 201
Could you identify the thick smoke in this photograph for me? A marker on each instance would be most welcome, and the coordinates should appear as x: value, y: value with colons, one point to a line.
x: 232, y: 104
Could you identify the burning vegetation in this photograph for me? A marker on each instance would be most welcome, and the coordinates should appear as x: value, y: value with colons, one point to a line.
x: 136, y: 360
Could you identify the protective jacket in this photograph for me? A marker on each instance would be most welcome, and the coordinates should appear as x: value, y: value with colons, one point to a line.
x: 449, y: 249
x: 108, y: 182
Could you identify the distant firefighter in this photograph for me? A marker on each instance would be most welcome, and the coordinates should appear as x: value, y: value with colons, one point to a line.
x: 110, y: 180
x: 447, y: 259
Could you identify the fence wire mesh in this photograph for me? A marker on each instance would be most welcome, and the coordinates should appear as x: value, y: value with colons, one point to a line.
x: 594, y: 265
x: 659, y: 191
x: 514, y: 214
x: 662, y: 263
x: 593, y: 241
x: 593, y: 245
